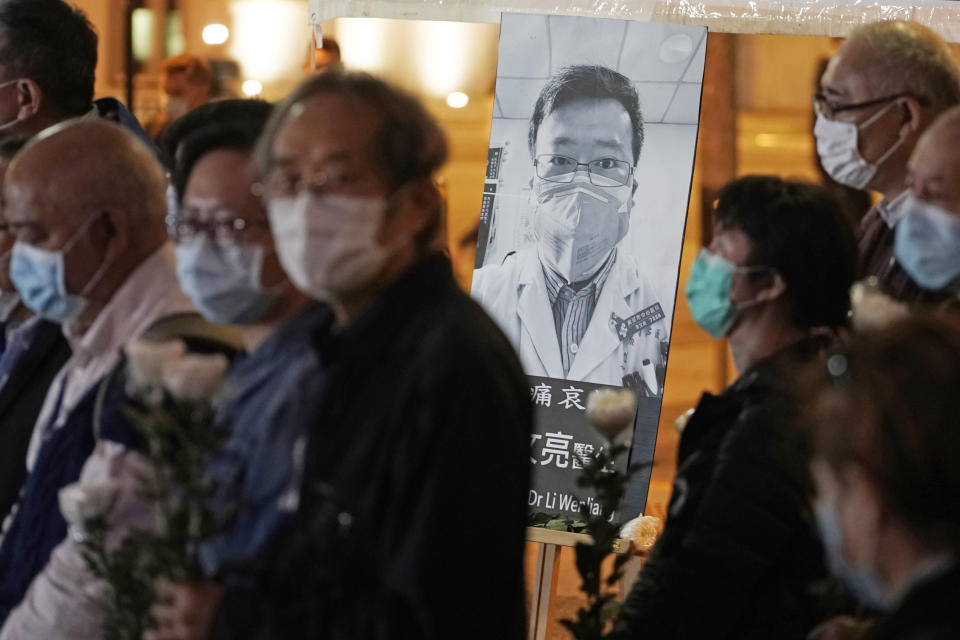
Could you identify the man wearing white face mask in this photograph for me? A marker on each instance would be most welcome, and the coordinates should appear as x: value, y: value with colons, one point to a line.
x: 574, y: 304
x: 419, y: 387
x: 880, y: 91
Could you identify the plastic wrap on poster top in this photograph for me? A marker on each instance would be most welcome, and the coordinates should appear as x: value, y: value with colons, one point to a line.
x: 801, y: 17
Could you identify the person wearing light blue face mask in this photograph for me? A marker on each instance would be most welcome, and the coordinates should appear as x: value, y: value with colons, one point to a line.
x: 228, y: 265
x: 879, y: 93
x: 85, y: 201
x: 927, y: 241
x: 738, y: 541
x: 226, y: 262
x: 885, y: 465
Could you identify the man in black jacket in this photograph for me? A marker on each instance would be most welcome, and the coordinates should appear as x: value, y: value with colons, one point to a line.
x: 739, y: 556
x: 418, y: 458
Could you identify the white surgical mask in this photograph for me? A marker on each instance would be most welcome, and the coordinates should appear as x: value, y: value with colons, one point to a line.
x: 176, y: 107
x: 577, y: 225
x: 328, y: 244
x: 838, y: 148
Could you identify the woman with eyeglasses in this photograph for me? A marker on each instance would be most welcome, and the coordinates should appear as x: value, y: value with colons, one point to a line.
x: 886, y: 467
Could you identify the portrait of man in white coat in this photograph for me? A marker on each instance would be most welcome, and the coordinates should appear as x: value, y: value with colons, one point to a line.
x: 574, y: 303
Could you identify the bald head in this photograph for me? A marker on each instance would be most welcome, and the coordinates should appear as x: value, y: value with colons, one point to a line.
x: 900, y: 57
x: 91, y: 192
x: 80, y: 165
x: 934, y: 167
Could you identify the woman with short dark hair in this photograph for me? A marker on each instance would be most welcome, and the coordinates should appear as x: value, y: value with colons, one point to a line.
x: 739, y: 556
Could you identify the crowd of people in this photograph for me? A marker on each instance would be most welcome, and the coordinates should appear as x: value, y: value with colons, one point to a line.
x: 377, y: 420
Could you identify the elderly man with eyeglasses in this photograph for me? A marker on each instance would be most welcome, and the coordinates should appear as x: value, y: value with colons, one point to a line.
x: 879, y: 93
x: 573, y: 304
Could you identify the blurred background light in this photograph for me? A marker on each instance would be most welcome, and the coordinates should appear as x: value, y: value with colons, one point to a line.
x: 252, y: 88
x: 457, y: 100
x: 215, y: 34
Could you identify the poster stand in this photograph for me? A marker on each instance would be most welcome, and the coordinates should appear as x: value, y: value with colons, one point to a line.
x: 544, y: 585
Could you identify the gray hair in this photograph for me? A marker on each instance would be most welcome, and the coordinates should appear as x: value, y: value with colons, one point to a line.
x: 409, y: 144
x: 907, y: 57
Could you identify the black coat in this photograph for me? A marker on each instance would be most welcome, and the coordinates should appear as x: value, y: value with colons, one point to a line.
x: 21, y: 399
x: 413, y: 507
x: 929, y: 611
x: 739, y: 556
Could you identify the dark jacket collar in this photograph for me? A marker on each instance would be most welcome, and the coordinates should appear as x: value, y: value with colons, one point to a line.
x: 390, y: 313
x: 801, y: 351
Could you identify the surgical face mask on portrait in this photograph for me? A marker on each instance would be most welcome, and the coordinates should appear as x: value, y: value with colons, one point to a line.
x: 839, y: 151
x: 861, y: 582
x: 708, y: 293
x: 927, y: 245
x: 578, y: 224
x: 40, y: 277
x: 328, y: 244
x: 223, y: 280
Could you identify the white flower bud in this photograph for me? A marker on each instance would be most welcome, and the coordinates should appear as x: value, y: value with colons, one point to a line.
x: 195, y: 378
x: 610, y: 411
x: 81, y: 502
x: 873, y: 309
x: 146, y: 359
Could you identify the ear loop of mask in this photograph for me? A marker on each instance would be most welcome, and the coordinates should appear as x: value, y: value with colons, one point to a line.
x: 870, y: 121
x: 66, y: 248
x: 748, y: 304
x: 10, y: 123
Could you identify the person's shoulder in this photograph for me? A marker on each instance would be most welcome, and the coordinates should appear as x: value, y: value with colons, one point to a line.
x: 462, y: 336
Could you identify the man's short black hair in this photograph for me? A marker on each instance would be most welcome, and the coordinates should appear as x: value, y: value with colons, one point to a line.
x: 53, y: 44
x: 587, y: 81
x: 225, y: 124
x: 204, y: 116
x: 798, y: 230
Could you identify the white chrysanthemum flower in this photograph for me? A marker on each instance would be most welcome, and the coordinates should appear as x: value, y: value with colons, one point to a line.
x: 195, y: 378
x: 82, y: 502
x: 642, y: 531
x: 146, y: 359
x: 611, y: 411
x: 872, y: 309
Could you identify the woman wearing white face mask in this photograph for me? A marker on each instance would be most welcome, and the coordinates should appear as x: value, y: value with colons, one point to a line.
x: 886, y: 465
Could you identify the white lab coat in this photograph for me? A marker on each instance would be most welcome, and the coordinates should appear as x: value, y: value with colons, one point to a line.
x: 515, y: 295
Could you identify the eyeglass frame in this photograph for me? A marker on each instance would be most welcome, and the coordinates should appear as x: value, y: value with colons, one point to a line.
x: 821, y: 105
x: 572, y: 174
x: 315, y: 181
x: 234, y: 227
